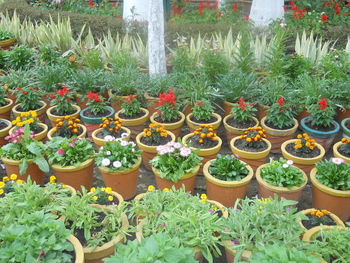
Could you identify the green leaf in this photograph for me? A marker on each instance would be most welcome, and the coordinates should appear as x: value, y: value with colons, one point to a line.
x: 42, y: 164
x: 23, y: 167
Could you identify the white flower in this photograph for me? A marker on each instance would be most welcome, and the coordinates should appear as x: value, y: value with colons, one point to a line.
x: 124, y: 143
x: 109, y: 138
x: 132, y: 143
x: 118, y: 140
x: 170, y: 143
x: 171, y: 150
x: 124, y: 135
x: 290, y: 162
x: 337, y: 161
x: 177, y: 145
x: 101, y: 148
x: 185, y: 152
x: 285, y: 165
x: 117, y: 164
x: 108, y: 153
x: 106, y: 162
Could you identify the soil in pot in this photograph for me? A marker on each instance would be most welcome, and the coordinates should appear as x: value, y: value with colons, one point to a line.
x: 3, y: 125
x: 343, y: 152
x: 308, y: 224
x: 163, y: 141
x: 234, y: 123
x: 55, y: 112
x: 319, y: 128
x: 238, y: 144
x: 273, y: 126
x: 90, y: 114
x: 127, y: 117
x: 119, y: 133
x: 211, y: 120
x: 290, y: 149
x: 56, y: 134
x: 159, y: 119
x: 206, y: 145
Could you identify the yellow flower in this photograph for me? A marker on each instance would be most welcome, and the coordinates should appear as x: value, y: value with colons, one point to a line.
x: 166, y: 189
x: 64, y: 186
x: 110, y: 198
x: 108, y: 190
x: 1, y: 191
x: 259, y: 212
x: 94, y: 198
x: 260, y: 207
x: 204, y: 196
x: 103, y: 189
x: 52, y: 179
x: 150, y: 188
x: 5, y: 179
x: 2, y: 184
x: 92, y: 189
x: 19, y: 181
x: 13, y: 176
x: 299, y: 136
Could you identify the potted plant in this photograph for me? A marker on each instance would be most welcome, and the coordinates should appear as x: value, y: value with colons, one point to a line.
x: 61, y: 105
x: 167, y: 113
x: 317, y: 217
x: 303, y: 151
x: 30, y: 118
x: 15, y: 79
x: 5, y: 126
x: 227, y: 179
x: 240, y: 118
x: 7, y: 184
x: 138, y: 251
x: 342, y: 149
x: 119, y: 162
x: 320, y: 123
x: 345, y: 124
x: 7, y: 39
x: 175, y: 165
x: 281, y: 178
x: 203, y: 113
x: 150, y: 138
x: 67, y: 127
x: 133, y: 116
x: 251, y: 147
x: 28, y: 99
x: 256, y: 223
x: 205, y: 141
x: 279, y: 124
x: 97, y: 110
x: 72, y: 160
x: 24, y: 156
x: 6, y: 105
x: 331, y: 188
x: 104, y: 196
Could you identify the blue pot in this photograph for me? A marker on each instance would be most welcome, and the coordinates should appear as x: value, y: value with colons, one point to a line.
x: 96, y: 120
x: 345, y: 129
x: 319, y: 134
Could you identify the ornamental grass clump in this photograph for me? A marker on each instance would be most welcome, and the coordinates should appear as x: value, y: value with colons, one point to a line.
x: 228, y: 168
x: 280, y: 115
x: 334, y: 173
x: 67, y: 126
x: 203, y: 110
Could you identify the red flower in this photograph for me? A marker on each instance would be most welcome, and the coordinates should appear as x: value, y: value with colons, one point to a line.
x: 324, y: 17
x: 62, y: 91
x: 91, y: 3
x: 326, y: 4
x: 296, y: 16
x: 284, y: 8
x: 177, y: 10
x: 167, y: 98
x: 93, y: 96
x: 345, y: 14
x: 241, y: 103
x: 218, y: 14
x: 280, y: 101
x: 207, y: 4
x: 113, y: 4
x: 199, y: 103
x: 216, y: 5
x: 200, y: 8
x: 19, y: 89
x: 323, y: 103
x: 246, y: 18
x: 348, y: 5
x: 234, y: 8
x: 52, y: 96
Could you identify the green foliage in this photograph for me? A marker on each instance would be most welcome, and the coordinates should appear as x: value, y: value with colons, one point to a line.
x: 125, y: 82
x: 96, y: 103
x: 335, y: 65
x: 280, y: 114
x: 63, y: 101
x: 16, y: 79
x: 242, y: 112
x: 156, y: 248
x: 131, y: 106
x: 281, y: 173
x: 244, y: 57
x: 228, y: 168
x: 159, y: 84
x: 3, y: 97
x: 182, y: 61
x: 92, y: 59
x: 334, y: 174
x: 322, y: 113
x: 214, y: 63
x: 203, y: 110
x: 296, y: 65
x: 5, y: 35
x: 276, y: 54
x: 48, y: 55
x: 122, y: 60
x: 87, y: 80
x: 29, y: 98
x: 20, y: 57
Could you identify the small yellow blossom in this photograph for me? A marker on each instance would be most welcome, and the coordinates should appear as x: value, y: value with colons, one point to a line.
x: 19, y: 181
x: 166, y: 189
x: 108, y: 190
x: 92, y: 189
x: 150, y: 188
x: 6, y: 179
x: 1, y: 191
x: 259, y: 212
x: 110, y: 198
x: 64, y: 186
x: 94, y: 198
x: 2, y: 184
x: 13, y: 176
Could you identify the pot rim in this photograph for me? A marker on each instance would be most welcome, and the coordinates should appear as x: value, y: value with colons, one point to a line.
x: 78, y: 248
x: 215, y: 123
x: 95, y: 119
x: 102, y: 142
x: 14, y: 109
x: 278, y: 132
x: 185, y: 176
x: 203, y: 152
x: 294, y: 158
x: 335, y: 218
x: 7, y: 107
x: 43, y: 132
x: 7, y: 128
x: 345, y: 129
x: 252, y: 155
x: 171, y: 125
x: 53, y: 116
x: 151, y: 149
x: 82, y: 135
x: 309, y: 234
x: 320, y: 133
x: 134, y: 121
x: 336, y: 153
x: 229, y: 127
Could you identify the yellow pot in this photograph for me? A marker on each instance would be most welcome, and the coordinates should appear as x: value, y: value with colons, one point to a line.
x: 101, y: 142
x: 337, y: 154
x: 194, y: 125
x: 5, y: 111
x: 53, y: 117
x: 40, y: 112
x: 134, y: 122
x: 231, y: 253
x: 335, y: 218
x: 173, y: 127
x: 311, y: 233
x: 82, y: 135
x: 235, y: 131
x: 4, y: 132
x: 78, y: 249
x: 5, y: 44
x: 38, y: 136
x: 250, y: 155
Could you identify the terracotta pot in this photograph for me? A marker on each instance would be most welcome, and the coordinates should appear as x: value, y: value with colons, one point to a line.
x: 40, y: 112
x: 262, y: 111
x: 78, y: 249
x: 41, y: 136
x: 12, y: 167
x: 10, y: 94
x: 82, y: 135
x: 135, y: 125
x: 195, y: 125
x: 187, y: 109
x: 6, y: 44
x: 337, y: 154
x: 346, y: 131
x: 149, y: 152
x: 254, y: 159
x: 187, y: 180
x: 277, y: 137
x: 101, y: 142
x: 175, y: 127
x: 305, y: 164
x: 267, y: 190
x: 152, y: 103
x: 206, y: 154
x: 335, y: 218
x: 228, y: 107
x: 231, y: 131
x: 53, y: 117
x: 302, y: 115
x: 343, y: 114
x: 116, y: 101
x: 231, y: 253
x: 93, y: 123
x: 5, y: 111
x: 124, y: 181
x: 75, y: 176
x: 4, y: 132
x: 324, y: 197
x: 226, y: 192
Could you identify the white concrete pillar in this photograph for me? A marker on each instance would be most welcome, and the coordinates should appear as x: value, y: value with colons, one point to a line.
x: 136, y: 9
x: 263, y: 12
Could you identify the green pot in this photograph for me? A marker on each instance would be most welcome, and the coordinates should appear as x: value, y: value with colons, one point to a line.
x: 346, y: 131
x: 93, y: 123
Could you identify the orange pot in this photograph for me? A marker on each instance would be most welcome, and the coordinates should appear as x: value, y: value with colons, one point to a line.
x: 228, y: 107
x: 262, y: 111
x: 135, y: 125
x: 4, y: 132
x: 342, y: 114
x: 116, y: 101
x: 152, y: 103
x: 5, y: 111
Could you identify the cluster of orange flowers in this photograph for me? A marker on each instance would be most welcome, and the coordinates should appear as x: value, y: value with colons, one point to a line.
x: 320, y: 213
x: 345, y: 140
x: 67, y: 122
x: 304, y: 140
x: 111, y: 125
x: 206, y: 132
x: 155, y: 128
x: 253, y: 134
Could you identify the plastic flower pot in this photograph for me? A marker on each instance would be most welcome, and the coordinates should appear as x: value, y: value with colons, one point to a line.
x: 337, y: 154
x: 52, y: 117
x: 78, y: 249
x: 75, y: 176
x: 254, y: 159
x: 123, y: 182
x: 267, y: 190
x: 33, y: 171
x: 231, y: 131
x: 149, y: 152
x: 195, y: 125
x: 325, y: 138
x: 6, y: 44
x: 4, y: 132
x: 206, y: 154
x: 101, y: 142
x: 343, y: 114
x: 175, y: 127
x: 41, y: 136
x: 346, y: 130
x: 5, y: 111
x: 335, y: 218
x: 93, y: 123
x: 226, y: 192
x: 305, y: 164
x: 136, y: 125
x: 51, y: 132
x: 152, y: 103
x: 324, y: 197
x: 187, y: 180
x: 277, y: 137
x: 40, y: 112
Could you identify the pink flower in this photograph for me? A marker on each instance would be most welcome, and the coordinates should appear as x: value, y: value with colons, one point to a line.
x: 163, y: 224
x: 337, y: 161
x: 185, y: 152
x: 60, y: 152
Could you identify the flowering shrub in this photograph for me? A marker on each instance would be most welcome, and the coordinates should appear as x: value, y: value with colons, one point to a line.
x: 167, y: 110
x: 345, y: 147
x: 118, y: 155
x: 29, y: 98
x: 253, y: 137
x: 174, y: 160
x: 280, y: 114
x: 281, y: 173
x: 321, y: 113
x: 62, y: 101
x: 112, y: 128
x: 334, y: 173
x: 69, y: 151
x: 131, y: 106
x: 154, y: 134
x: 228, y: 168
x: 6, y: 185
x: 29, y: 118
x: 101, y: 195
x: 304, y: 143
x: 205, y: 135
x: 96, y: 103
x: 67, y: 127
x: 242, y: 112
x: 203, y: 110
